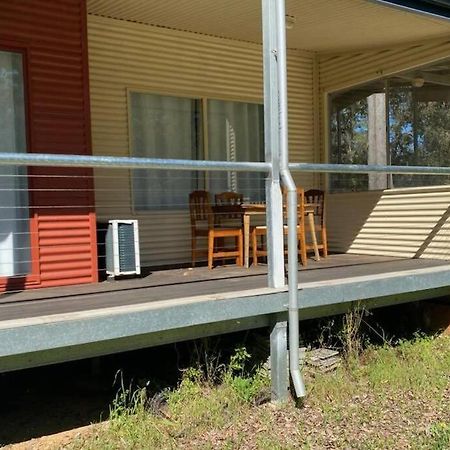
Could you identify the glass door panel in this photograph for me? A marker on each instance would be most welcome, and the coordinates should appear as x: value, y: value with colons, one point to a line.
x: 15, y: 253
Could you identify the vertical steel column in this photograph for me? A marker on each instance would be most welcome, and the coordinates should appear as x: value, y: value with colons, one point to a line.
x: 288, y: 182
x: 275, y: 246
x: 279, y: 376
x: 276, y: 139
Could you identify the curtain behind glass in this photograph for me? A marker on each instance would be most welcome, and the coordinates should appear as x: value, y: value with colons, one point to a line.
x: 14, y: 224
x: 235, y: 133
x: 164, y: 127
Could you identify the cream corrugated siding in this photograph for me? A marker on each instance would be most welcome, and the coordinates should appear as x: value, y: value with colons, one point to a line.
x: 127, y: 55
x: 404, y: 223
x: 320, y: 25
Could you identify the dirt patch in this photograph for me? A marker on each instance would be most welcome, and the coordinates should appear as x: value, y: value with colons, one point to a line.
x: 58, y: 440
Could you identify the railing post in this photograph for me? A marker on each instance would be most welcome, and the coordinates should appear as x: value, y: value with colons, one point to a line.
x: 279, y: 375
x: 274, y: 200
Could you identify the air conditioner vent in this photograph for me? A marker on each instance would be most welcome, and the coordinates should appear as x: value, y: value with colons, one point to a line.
x: 122, y: 248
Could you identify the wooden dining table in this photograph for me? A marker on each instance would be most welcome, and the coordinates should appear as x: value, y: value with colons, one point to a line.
x: 259, y: 209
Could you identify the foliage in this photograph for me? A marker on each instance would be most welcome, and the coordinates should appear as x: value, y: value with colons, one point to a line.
x: 419, y: 133
x: 246, y: 385
x: 349, y: 143
x: 440, y: 436
x: 389, y: 397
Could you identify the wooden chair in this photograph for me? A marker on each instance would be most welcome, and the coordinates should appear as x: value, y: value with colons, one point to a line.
x: 315, y: 199
x: 203, y: 225
x: 229, y: 204
x: 261, y: 231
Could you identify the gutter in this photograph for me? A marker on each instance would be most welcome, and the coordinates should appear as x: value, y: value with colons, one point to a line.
x: 288, y: 181
x: 437, y: 9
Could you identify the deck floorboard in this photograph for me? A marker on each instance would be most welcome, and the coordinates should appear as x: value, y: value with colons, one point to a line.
x: 181, y: 283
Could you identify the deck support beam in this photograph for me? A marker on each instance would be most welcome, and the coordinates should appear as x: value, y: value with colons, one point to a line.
x: 279, y: 376
x: 274, y: 200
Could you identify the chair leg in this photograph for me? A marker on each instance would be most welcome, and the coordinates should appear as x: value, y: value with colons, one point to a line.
x: 302, y: 243
x: 254, y: 247
x: 240, y: 258
x: 324, y: 242
x: 210, y: 249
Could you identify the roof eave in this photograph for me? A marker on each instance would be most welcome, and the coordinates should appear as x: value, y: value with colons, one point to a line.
x: 439, y: 9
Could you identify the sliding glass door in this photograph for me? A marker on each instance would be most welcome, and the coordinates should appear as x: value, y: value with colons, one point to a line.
x: 14, y: 214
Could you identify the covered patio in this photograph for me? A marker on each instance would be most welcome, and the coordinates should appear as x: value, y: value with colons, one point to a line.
x: 213, y: 57
x: 189, y: 97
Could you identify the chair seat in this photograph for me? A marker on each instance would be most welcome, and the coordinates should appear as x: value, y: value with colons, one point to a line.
x: 313, y: 204
x: 259, y: 230
x: 202, y: 212
x: 225, y: 231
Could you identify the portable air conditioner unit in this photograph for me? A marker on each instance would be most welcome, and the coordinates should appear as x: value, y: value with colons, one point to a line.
x: 122, y: 248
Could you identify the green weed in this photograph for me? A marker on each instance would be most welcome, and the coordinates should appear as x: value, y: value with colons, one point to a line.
x: 389, y: 397
x: 247, y: 385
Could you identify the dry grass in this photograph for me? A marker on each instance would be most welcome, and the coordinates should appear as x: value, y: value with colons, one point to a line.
x: 392, y: 397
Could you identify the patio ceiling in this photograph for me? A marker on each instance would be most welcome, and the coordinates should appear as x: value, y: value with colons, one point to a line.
x: 320, y: 25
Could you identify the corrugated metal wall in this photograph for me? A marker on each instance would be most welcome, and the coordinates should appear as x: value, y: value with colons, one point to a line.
x: 346, y: 70
x: 399, y: 222
x: 131, y: 55
x: 407, y: 222
x: 52, y: 34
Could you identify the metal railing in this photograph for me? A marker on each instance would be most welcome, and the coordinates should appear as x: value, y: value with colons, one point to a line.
x: 115, y: 163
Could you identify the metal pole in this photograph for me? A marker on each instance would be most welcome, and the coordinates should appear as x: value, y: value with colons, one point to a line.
x: 278, y: 359
x: 288, y: 181
x: 274, y: 200
x: 368, y: 168
x: 114, y: 162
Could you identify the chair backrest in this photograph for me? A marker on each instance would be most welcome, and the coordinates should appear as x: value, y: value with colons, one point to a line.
x: 315, y: 199
x: 200, y: 208
x: 229, y: 205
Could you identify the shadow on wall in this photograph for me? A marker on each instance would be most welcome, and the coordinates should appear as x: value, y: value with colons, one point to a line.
x: 408, y: 223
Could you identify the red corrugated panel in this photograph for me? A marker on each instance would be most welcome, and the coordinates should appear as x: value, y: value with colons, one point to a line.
x: 52, y: 35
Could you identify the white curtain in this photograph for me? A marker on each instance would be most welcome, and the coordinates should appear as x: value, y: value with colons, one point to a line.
x: 14, y: 216
x: 235, y: 133
x: 164, y: 127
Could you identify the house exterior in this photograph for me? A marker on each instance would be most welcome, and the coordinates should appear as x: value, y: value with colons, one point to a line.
x: 49, y: 237
x: 185, y: 80
x: 88, y: 65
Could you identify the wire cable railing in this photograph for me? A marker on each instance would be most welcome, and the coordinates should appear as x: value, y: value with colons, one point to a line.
x: 121, y: 190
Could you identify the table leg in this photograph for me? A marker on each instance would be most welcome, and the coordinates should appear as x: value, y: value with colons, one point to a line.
x: 313, y: 235
x: 246, y: 240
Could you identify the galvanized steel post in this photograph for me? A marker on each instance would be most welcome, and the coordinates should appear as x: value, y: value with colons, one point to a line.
x: 288, y: 181
x: 274, y: 200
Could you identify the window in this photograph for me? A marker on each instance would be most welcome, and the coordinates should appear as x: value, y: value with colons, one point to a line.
x: 349, y: 141
x: 164, y: 127
x: 172, y: 127
x: 15, y: 251
x: 399, y: 121
x: 419, y: 131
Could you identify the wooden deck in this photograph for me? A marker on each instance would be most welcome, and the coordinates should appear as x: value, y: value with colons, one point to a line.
x: 181, y: 283
x: 53, y: 325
